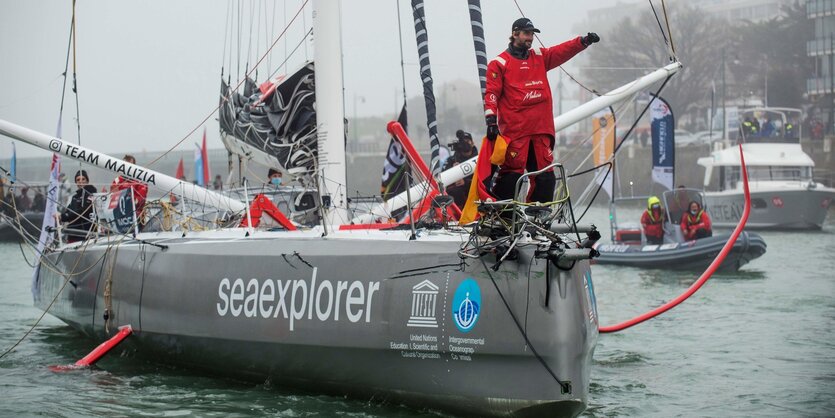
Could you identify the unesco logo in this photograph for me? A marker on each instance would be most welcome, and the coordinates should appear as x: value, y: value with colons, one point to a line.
x: 55, y: 145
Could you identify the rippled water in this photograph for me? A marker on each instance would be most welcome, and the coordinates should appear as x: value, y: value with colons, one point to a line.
x: 754, y: 343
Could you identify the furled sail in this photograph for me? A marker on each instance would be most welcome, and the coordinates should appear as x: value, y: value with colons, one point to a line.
x: 422, y: 37
x: 477, y: 28
x: 273, y: 123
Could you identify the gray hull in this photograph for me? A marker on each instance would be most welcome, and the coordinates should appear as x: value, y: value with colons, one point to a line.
x: 801, y: 209
x: 388, y: 319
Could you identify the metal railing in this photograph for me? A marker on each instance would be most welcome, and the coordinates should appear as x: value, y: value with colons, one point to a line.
x: 560, y: 185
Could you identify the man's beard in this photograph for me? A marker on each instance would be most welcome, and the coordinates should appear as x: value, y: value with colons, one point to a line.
x: 523, y: 44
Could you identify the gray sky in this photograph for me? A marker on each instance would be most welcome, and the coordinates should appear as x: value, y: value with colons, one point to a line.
x: 148, y: 71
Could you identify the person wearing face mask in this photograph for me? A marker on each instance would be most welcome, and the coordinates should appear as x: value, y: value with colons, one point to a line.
x: 652, y: 221
x: 77, y: 214
x: 274, y: 177
x: 518, y: 105
x: 695, y: 223
x: 463, y: 149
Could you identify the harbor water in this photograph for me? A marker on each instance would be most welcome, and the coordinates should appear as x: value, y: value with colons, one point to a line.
x: 758, y: 342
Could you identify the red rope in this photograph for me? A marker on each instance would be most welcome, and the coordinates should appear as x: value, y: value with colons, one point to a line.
x: 707, y: 273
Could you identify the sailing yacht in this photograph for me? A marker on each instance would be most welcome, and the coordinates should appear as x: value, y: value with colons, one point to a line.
x: 421, y: 315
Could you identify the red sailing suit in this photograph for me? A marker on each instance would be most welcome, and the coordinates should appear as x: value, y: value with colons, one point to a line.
x: 140, y: 192
x: 692, y: 224
x: 519, y: 94
x: 653, y: 224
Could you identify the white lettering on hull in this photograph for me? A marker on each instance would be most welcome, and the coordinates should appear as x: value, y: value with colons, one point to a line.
x: 296, y: 300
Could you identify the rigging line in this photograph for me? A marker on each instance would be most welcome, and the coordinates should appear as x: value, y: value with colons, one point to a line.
x: 266, y: 32
x: 270, y: 36
x: 661, y: 28
x: 280, y: 66
x: 249, y: 44
x: 607, y: 163
x: 622, y: 105
x: 644, y: 111
x: 75, y: 78
x: 301, y: 9
x: 284, y: 16
x: 563, y: 385
x: 402, y: 61
x: 596, y: 192
x: 257, y: 17
x: 59, y: 293
x: 66, y: 68
x: 304, y: 25
x: 563, y: 69
x: 629, y: 132
x: 225, y: 38
x: 669, y: 32
x: 238, y: 50
x: 35, y: 94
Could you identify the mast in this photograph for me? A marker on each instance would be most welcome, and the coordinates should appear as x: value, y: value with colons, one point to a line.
x: 330, y: 110
x: 477, y: 27
x: 422, y: 38
x: 94, y: 158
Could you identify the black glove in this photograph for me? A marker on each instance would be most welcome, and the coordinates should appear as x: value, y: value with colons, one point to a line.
x: 590, y: 39
x: 492, y: 127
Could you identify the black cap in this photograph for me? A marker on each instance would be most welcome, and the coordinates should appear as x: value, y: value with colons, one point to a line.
x: 82, y: 173
x: 523, y: 23
x: 272, y: 171
x: 461, y: 134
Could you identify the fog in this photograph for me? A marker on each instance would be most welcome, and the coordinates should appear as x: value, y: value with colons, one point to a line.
x: 148, y: 71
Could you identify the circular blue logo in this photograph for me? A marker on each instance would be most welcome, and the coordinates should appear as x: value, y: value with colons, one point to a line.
x: 466, y: 305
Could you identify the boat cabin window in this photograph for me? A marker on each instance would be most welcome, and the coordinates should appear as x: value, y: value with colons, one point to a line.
x: 791, y: 173
x: 728, y: 177
x: 780, y: 173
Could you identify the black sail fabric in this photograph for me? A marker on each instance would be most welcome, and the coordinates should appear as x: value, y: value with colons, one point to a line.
x: 282, y: 123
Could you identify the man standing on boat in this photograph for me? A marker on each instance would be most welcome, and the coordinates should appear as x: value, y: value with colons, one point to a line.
x: 518, y: 104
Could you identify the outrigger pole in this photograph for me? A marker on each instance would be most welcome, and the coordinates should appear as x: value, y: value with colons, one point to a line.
x: 560, y: 122
x: 97, y: 159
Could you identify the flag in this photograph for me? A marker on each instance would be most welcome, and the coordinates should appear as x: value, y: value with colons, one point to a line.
x: 492, y: 155
x: 180, y: 174
x: 198, y: 165
x: 204, y: 157
x: 396, y: 167
x: 123, y: 213
x: 663, y: 143
x: 48, y: 218
x: 603, y: 144
x: 13, y: 168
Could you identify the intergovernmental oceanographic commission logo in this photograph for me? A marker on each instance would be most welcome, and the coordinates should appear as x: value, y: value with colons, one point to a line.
x: 466, y: 305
